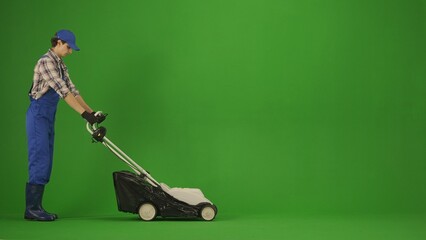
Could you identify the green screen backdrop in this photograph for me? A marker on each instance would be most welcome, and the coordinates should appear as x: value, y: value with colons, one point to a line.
x: 270, y: 107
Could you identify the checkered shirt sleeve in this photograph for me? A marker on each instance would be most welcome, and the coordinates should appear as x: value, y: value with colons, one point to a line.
x: 50, y: 73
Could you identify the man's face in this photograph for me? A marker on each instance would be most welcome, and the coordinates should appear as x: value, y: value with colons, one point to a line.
x: 63, y: 49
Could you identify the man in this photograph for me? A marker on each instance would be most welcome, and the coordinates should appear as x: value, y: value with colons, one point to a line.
x: 50, y: 83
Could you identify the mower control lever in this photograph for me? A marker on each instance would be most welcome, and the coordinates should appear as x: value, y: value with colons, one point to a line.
x: 99, y: 134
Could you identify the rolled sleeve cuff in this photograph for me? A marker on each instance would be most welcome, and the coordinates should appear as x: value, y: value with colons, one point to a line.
x: 63, y: 92
x: 64, y: 95
x: 76, y: 93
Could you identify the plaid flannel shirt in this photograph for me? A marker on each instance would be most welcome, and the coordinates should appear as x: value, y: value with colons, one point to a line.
x: 47, y: 73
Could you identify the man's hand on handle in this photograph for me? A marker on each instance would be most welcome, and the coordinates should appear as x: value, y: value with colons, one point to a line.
x: 100, y: 116
x: 90, y: 118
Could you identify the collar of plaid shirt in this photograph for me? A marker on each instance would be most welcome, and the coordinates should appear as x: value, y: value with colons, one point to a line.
x: 53, y: 55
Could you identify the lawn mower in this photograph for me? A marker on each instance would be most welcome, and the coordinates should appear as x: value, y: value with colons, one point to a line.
x: 138, y: 192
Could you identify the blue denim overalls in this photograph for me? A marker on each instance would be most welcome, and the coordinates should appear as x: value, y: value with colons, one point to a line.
x: 40, y: 134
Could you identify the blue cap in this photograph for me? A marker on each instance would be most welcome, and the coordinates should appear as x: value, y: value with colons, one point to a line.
x: 69, y: 37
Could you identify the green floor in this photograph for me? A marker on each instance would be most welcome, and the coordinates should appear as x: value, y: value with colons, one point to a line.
x: 124, y: 226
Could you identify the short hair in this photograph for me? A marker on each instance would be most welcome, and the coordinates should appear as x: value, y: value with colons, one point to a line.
x: 54, y: 40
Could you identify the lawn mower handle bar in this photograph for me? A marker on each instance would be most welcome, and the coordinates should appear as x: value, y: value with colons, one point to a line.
x: 120, y: 154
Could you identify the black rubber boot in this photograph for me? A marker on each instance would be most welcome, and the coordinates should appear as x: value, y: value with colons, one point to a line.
x: 34, y: 209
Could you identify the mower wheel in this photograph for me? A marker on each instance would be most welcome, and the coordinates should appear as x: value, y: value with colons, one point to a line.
x: 147, y: 211
x: 208, y: 212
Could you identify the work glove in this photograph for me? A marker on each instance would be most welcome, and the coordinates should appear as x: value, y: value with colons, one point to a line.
x: 90, y: 118
x: 100, y: 117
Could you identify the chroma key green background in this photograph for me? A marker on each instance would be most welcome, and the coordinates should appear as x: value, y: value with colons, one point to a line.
x: 298, y: 119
